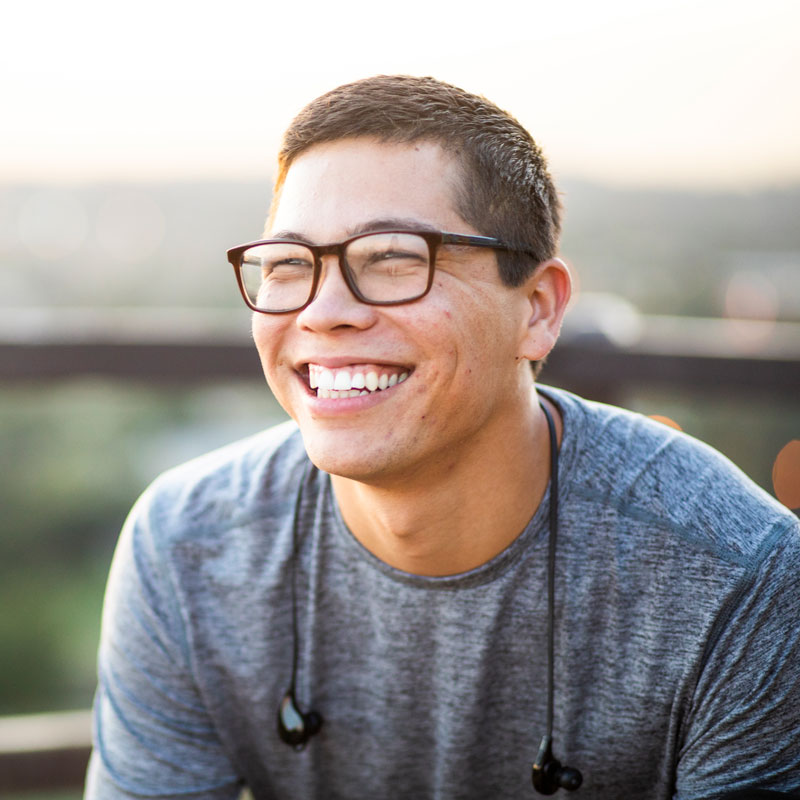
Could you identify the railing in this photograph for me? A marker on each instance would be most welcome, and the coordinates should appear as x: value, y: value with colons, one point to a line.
x: 601, y: 355
x: 44, y: 752
x: 598, y: 354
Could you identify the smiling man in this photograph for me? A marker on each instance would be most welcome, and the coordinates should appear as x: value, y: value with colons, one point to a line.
x: 368, y: 601
x: 408, y: 406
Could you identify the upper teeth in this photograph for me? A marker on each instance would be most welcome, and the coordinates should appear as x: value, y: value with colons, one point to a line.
x: 353, y: 381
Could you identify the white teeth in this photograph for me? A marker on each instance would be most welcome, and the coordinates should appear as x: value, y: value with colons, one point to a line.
x: 336, y: 384
x: 342, y: 381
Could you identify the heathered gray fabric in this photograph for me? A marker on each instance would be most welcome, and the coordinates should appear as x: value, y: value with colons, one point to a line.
x: 677, y: 637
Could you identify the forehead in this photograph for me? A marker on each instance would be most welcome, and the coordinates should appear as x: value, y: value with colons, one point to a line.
x: 337, y: 188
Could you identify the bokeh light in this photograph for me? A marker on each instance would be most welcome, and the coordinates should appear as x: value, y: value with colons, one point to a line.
x: 666, y: 421
x: 750, y: 297
x: 786, y: 475
x: 52, y: 224
x: 130, y: 226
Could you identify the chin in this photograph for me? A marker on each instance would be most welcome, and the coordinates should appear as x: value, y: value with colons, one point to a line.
x: 351, y: 460
x: 345, y: 468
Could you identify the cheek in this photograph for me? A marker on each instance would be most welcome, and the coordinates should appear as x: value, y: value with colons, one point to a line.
x: 469, y: 328
x: 268, y: 334
x: 484, y: 330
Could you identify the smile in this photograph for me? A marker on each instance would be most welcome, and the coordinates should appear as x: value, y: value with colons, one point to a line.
x: 353, y: 381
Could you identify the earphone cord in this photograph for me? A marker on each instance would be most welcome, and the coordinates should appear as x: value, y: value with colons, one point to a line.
x: 297, y: 504
x: 551, y: 567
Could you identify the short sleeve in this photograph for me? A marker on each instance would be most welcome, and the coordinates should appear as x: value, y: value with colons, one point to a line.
x: 152, y: 734
x: 743, y: 730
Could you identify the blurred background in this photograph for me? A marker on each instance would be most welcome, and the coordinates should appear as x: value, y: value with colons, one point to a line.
x: 137, y: 144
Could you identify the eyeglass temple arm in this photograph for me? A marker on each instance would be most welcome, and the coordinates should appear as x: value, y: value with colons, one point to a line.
x: 481, y: 241
x: 472, y: 241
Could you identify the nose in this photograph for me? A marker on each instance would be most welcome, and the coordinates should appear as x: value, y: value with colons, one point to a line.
x: 334, y: 305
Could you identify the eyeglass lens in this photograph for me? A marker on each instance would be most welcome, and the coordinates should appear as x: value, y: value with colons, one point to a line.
x: 385, y: 267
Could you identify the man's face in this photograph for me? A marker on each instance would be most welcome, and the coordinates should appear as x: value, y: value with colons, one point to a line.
x: 449, y: 362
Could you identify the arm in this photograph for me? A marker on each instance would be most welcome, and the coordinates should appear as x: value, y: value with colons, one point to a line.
x: 152, y: 735
x: 742, y: 733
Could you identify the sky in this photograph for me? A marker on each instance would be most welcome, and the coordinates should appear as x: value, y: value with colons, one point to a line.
x: 699, y: 94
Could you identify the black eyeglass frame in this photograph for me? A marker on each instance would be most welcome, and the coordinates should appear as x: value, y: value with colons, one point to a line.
x: 434, y: 240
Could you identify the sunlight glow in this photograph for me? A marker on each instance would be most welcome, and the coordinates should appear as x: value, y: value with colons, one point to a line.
x: 668, y: 93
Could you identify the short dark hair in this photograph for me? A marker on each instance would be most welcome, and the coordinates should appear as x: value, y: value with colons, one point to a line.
x: 505, y: 189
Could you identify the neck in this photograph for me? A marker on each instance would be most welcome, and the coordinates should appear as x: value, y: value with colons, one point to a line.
x: 460, y: 514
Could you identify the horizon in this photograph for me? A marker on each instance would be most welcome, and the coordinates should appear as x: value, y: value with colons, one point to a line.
x: 143, y: 182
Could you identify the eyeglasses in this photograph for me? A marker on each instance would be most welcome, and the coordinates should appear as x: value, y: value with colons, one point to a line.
x: 382, y: 268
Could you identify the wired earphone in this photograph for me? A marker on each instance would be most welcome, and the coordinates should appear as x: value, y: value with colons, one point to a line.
x: 296, y: 727
x: 547, y: 774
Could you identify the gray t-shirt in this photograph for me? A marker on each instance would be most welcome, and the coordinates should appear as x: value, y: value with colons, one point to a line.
x: 677, y: 644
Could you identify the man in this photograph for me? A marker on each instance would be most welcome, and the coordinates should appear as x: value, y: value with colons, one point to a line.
x: 376, y: 572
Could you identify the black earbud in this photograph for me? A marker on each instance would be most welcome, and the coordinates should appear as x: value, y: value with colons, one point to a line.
x: 295, y: 727
x: 549, y: 776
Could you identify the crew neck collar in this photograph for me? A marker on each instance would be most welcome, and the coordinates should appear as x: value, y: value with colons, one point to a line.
x: 533, y: 536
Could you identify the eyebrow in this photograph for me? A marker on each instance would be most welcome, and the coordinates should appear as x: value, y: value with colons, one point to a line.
x: 291, y: 235
x: 391, y: 223
x: 383, y: 224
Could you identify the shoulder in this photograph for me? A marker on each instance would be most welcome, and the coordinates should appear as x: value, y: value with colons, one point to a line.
x: 645, y: 472
x: 228, y: 488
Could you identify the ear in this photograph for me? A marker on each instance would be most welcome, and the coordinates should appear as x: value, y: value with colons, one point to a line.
x: 548, y: 290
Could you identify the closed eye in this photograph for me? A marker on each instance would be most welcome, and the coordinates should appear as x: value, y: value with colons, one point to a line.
x: 395, y: 257
x: 287, y: 270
